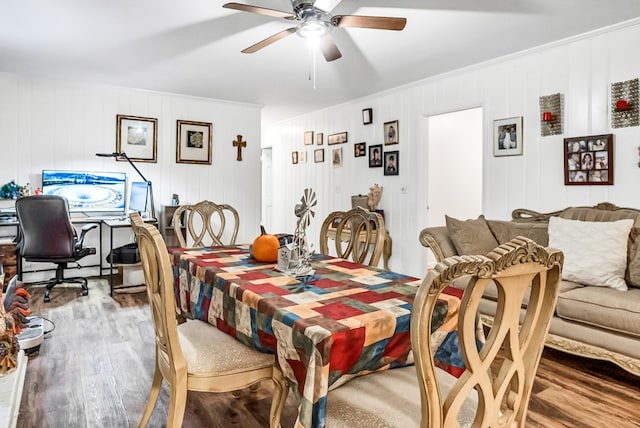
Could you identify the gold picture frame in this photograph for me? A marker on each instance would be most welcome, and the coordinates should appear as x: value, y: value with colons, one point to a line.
x: 137, y: 137
x: 193, y: 142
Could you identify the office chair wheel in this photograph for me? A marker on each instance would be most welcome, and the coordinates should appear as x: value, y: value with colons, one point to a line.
x: 85, y: 292
x: 85, y: 289
x: 47, y: 299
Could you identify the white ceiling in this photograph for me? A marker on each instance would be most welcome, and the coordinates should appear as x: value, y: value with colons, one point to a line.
x: 193, y: 46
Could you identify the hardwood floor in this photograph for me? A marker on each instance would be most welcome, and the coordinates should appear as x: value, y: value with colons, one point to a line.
x: 95, y: 368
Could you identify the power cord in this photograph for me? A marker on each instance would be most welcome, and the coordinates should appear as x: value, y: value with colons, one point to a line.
x: 52, y: 324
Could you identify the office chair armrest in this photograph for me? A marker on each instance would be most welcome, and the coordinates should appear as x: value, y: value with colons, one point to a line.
x: 84, y: 230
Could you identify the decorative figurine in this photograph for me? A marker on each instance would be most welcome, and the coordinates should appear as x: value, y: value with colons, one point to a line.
x: 374, y: 196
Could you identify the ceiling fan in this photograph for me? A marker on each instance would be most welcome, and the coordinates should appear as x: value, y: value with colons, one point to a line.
x: 315, y: 23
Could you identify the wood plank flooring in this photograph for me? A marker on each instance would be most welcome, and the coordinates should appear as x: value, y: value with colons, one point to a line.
x: 95, y: 368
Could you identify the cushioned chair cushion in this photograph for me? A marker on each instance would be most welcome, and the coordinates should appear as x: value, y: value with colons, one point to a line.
x: 373, y: 400
x: 471, y: 236
x: 602, y: 307
x: 209, y: 351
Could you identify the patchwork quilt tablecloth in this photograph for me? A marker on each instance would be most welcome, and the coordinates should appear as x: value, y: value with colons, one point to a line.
x: 343, y: 321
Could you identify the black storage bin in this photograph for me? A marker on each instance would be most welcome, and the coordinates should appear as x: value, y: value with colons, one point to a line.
x: 125, y: 255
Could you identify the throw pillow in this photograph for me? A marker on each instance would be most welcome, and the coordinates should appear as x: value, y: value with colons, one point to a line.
x: 471, y: 236
x: 633, y: 258
x: 595, y: 252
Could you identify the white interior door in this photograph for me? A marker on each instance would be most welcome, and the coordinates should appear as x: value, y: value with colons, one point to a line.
x: 454, y: 172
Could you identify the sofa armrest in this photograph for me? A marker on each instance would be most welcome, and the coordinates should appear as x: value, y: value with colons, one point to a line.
x: 437, y: 239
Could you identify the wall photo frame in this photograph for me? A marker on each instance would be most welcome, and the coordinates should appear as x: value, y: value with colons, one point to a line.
x: 193, y: 142
x: 588, y: 160
x: 138, y: 137
x: 318, y: 155
x: 359, y: 150
x: 367, y: 116
x: 338, y: 138
x: 375, y: 156
x: 391, y: 132
x: 392, y: 163
x: 507, y: 137
x: 336, y: 157
x: 319, y: 139
x: 308, y: 138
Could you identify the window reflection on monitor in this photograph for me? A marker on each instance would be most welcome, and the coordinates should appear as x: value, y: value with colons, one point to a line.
x: 138, y: 196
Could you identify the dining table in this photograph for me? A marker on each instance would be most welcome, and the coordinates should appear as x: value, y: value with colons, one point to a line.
x: 342, y: 320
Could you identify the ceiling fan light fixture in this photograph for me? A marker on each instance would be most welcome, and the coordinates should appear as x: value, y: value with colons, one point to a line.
x: 313, y: 28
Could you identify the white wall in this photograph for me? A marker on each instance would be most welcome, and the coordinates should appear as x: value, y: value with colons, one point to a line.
x: 61, y: 125
x: 582, y: 69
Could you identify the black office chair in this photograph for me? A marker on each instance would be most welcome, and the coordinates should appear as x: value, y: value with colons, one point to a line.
x: 47, y: 235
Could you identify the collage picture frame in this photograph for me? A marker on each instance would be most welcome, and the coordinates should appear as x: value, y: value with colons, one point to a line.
x: 588, y: 160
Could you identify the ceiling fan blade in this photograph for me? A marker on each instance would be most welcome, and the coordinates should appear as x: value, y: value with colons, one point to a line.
x: 329, y: 49
x: 377, y: 22
x: 326, y: 5
x: 259, y: 10
x: 269, y: 40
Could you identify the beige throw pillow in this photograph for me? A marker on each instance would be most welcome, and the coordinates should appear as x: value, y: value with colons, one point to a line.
x: 595, y: 252
x: 471, y: 236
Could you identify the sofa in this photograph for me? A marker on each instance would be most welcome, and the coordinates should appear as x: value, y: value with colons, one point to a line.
x: 598, y: 310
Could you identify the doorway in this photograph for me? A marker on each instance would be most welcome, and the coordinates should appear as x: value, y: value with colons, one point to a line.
x: 454, y: 171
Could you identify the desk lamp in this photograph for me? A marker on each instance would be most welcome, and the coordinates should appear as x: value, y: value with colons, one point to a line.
x: 123, y: 155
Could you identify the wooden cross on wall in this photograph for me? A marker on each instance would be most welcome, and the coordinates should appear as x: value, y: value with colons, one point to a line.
x: 239, y: 144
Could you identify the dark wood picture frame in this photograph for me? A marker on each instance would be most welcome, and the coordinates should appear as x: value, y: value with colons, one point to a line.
x: 359, y: 150
x: 337, y: 138
x: 138, y: 137
x: 588, y: 161
x: 392, y: 163
x: 319, y: 139
x: 193, y: 142
x: 375, y: 161
x: 318, y: 155
x: 367, y: 116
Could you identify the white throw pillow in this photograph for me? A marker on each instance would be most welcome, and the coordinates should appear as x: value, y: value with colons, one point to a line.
x: 595, y: 252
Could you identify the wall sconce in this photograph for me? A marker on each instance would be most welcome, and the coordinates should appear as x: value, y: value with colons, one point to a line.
x: 547, y: 116
x: 622, y: 105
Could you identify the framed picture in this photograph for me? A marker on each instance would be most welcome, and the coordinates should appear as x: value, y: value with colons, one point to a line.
x: 193, y: 142
x: 318, y: 155
x: 391, y: 132
x: 302, y: 157
x: 319, y: 138
x: 391, y: 163
x: 336, y: 157
x: 507, y: 137
x: 375, y: 156
x: 339, y: 138
x: 308, y: 138
x: 137, y: 137
x: 367, y: 116
x: 294, y: 157
x: 359, y: 150
x: 588, y: 160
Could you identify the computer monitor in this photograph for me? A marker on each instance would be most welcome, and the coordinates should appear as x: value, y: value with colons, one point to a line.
x: 138, y: 196
x: 87, y: 191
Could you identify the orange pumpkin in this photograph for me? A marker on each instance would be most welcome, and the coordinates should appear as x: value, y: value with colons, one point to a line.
x: 265, y: 247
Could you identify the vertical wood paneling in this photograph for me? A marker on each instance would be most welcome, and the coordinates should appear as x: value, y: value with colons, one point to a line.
x: 581, y: 69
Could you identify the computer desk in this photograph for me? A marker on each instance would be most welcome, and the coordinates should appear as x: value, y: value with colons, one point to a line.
x: 112, y: 222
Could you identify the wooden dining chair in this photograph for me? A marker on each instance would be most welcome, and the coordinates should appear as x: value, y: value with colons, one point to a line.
x: 205, y: 224
x: 357, y: 234
x: 495, y: 388
x: 194, y: 356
